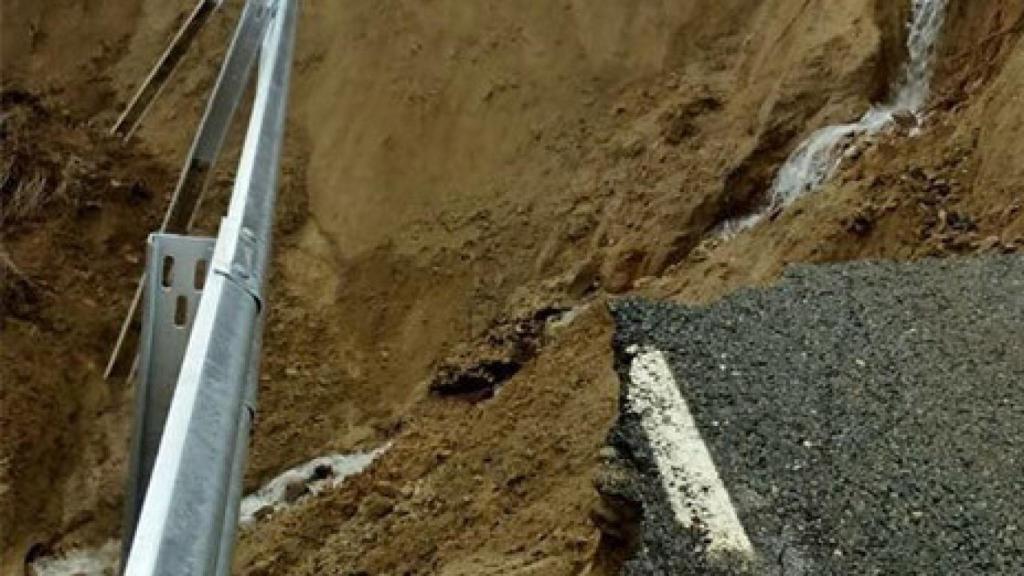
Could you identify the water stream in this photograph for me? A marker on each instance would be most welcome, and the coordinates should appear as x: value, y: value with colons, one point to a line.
x: 308, y: 479
x: 816, y: 160
x: 311, y: 478
x: 99, y: 561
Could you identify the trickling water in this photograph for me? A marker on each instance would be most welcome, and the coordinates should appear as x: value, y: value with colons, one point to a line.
x: 816, y: 159
x: 273, y: 495
x: 101, y: 561
x: 925, y: 26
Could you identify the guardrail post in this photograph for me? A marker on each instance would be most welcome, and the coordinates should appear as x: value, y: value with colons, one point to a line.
x: 177, y: 268
x: 189, y: 514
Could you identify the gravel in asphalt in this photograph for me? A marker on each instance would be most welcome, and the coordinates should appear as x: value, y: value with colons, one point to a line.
x: 866, y: 418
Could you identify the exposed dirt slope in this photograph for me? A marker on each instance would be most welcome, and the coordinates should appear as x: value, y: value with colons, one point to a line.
x: 455, y: 164
x: 470, y: 488
x: 74, y: 210
x: 467, y: 158
x: 957, y: 188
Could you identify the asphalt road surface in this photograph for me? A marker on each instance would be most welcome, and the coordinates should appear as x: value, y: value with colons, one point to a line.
x: 864, y: 419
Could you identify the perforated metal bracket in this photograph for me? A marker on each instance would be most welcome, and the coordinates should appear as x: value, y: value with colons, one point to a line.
x: 177, y: 268
x: 206, y: 147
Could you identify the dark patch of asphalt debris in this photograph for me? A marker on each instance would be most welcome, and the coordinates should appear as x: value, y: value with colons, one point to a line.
x: 866, y: 418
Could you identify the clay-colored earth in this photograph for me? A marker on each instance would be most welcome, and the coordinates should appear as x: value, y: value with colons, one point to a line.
x: 452, y: 169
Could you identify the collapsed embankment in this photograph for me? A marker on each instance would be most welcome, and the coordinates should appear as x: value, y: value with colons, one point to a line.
x: 954, y: 188
x: 453, y: 168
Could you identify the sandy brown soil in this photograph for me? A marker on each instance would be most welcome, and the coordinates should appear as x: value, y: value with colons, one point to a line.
x: 76, y: 208
x: 453, y: 167
x: 474, y: 158
x: 470, y: 487
x: 955, y: 189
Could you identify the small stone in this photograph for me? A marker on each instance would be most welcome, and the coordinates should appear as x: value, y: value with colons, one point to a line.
x: 905, y: 119
x: 860, y: 225
x: 376, y: 506
x: 294, y: 490
x: 322, y: 472
x: 388, y: 490
x: 263, y: 513
x: 940, y: 187
x: 990, y: 243
x: 917, y: 173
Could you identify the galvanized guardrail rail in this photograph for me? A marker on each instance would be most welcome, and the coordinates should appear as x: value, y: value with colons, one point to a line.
x: 202, y: 312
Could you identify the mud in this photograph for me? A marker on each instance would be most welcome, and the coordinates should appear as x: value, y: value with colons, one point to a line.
x: 451, y: 168
x: 75, y: 210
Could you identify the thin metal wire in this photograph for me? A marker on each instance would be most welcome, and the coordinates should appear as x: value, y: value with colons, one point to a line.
x: 213, y: 128
x: 150, y: 88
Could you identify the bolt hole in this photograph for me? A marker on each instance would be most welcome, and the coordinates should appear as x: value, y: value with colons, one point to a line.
x: 167, y: 274
x: 199, y: 281
x: 180, y: 311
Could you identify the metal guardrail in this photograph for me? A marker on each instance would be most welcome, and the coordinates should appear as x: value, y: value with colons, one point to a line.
x: 175, y: 278
x: 187, y: 502
x: 213, y: 128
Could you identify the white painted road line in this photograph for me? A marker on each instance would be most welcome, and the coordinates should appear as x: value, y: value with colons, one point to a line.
x: 688, y: 474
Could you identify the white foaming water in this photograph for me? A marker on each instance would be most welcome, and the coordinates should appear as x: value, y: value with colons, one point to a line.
x: 273, y: 493
x: 816, y: 159
x: 731, y: 228
x: 100, y: 561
